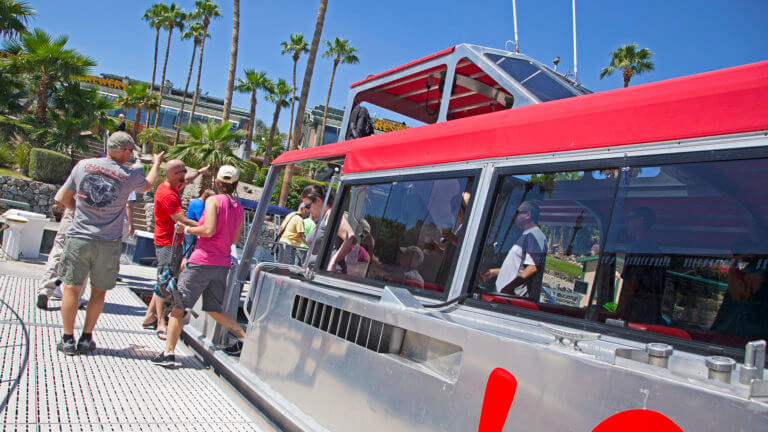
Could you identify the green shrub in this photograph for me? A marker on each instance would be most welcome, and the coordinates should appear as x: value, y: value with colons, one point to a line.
x: 6, y: 156
x: 259, y: 181
x: 21, y: 156
x: 49, y: 166
x: 249, y: 171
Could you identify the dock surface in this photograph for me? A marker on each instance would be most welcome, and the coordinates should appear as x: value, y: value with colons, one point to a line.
x: 116, y: 388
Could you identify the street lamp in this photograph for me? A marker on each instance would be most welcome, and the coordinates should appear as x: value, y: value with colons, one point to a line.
x: 556, y: 60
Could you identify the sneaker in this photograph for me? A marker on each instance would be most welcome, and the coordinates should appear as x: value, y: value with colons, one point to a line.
x: 57, y: 292
x: 85, y: 347
x: 165, y: 360
x: 42, y: 301
x: 234, y: 349
x: 68, y: 347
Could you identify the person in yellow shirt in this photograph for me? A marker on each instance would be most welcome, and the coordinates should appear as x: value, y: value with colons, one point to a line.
x: 292, y: 234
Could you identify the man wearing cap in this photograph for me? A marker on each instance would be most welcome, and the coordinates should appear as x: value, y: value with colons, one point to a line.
x: 168, y: 212
x: 97, y: 190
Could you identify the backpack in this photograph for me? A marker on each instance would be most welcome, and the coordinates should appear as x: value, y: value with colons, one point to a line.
x: 360, y: 124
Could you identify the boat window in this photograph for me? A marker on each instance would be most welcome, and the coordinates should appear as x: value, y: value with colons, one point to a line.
x: 687, y: 252
x: 533, y: 78
x: 406, y: 232
x: 543, y: 241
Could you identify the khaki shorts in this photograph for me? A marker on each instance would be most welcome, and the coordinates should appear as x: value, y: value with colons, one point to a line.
x: 100, y: 258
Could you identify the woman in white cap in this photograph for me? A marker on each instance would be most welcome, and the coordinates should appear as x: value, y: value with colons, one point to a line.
x: 206, y: 272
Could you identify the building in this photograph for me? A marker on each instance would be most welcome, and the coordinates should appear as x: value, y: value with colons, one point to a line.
x: 208, y: 108
x: 313, y: 122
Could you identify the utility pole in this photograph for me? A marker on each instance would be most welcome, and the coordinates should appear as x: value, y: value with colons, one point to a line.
x: 575, y: 58
x: 514, y: 15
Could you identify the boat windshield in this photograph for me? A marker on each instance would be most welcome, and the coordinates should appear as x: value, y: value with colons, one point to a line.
x: 534, y: 78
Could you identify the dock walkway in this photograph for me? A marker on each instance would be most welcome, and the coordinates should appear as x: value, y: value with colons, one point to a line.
x: 116, y: 388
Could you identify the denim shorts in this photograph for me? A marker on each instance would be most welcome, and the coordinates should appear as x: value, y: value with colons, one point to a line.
x: 100, y: 258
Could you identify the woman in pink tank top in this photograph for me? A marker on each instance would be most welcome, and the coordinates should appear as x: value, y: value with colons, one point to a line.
x: 206, y: 271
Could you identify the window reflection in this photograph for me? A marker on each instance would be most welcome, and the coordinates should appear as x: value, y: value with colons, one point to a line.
x: 407, y: 232
x: 544, y: 238
x: 686, y: 253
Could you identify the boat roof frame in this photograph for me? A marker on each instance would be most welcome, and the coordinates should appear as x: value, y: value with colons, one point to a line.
x: 722, y: 102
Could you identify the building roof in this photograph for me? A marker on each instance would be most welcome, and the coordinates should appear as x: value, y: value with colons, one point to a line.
x: 201, y: 98
x: 715, y: 103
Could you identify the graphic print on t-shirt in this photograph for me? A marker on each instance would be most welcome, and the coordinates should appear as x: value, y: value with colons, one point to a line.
x: 98, y: 190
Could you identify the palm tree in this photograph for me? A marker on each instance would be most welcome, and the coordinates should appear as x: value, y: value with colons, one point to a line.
x: 630, y: 61
x: 208, y: 144
x: 84, y: 103
x: 232, y: 60
x: 295, y: 138
x: 342, y: 52
x: 277, y: 94
x: 154, y: 16
x: 14, y: 16
x: 204, y: 11
x: 47, y: 62
x: 173, y: 18
x: 12, y: 89
x: 196, y: 33
x: 138, y: 96
x: 152, y: 138
x: 296, y: 46
x: 253, y: 82
x: 66, y: 135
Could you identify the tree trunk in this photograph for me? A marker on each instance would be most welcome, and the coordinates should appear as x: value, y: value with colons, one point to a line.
x: 232, y: 60
x: 136, y: 123
x: 627, y: 76
x: 272, y: 130
x: 199, y: 70
x: 293, y: 100
x: 162, y: 80
x: 154, y: 70
x: 42, y: 99
x: 247, y: 148
x: 287, y: 176
x: 327, y: 101
x: 184, y: 97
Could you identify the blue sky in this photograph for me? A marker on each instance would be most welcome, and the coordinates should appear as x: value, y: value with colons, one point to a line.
x: 687, y: 36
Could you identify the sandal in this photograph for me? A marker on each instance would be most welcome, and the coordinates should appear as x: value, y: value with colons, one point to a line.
x: 162, y: 334
x: 150, y: 326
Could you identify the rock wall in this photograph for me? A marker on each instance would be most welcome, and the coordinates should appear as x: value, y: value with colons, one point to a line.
x: 38, y: 195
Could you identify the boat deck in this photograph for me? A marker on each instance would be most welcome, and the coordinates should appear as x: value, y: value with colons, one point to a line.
x: 113, y: 389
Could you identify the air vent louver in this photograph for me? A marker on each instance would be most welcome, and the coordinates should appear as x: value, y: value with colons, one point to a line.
x: 366, y: 332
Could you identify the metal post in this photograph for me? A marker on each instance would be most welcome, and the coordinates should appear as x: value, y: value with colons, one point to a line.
x: 258, y: 222
x: 575, y: 58
x: 514, y: 15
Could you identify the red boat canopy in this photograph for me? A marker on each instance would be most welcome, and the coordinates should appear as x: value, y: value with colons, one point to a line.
x: 715, y: 103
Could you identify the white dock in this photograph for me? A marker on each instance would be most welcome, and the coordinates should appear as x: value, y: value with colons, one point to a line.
x: 116, y: 388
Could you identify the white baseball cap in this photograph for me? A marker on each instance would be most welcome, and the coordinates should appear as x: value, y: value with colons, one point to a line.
x: 227, y: 174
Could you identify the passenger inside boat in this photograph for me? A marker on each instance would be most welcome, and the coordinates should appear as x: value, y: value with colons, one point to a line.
x: 406, y: 232
x: 677, y: 249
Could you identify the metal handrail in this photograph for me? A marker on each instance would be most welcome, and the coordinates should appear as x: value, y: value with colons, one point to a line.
x: 299, y: 271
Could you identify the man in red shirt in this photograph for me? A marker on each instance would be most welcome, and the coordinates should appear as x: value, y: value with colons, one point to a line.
x: 168, y: 212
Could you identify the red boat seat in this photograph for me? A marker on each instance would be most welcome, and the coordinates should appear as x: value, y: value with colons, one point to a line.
x: 669, y: 331
x: 510, y: 301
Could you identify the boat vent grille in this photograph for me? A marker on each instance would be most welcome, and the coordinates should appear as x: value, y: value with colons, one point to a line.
x: 366, y: 332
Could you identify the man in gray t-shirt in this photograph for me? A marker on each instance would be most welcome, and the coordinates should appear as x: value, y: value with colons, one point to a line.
x: 97, y: 191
